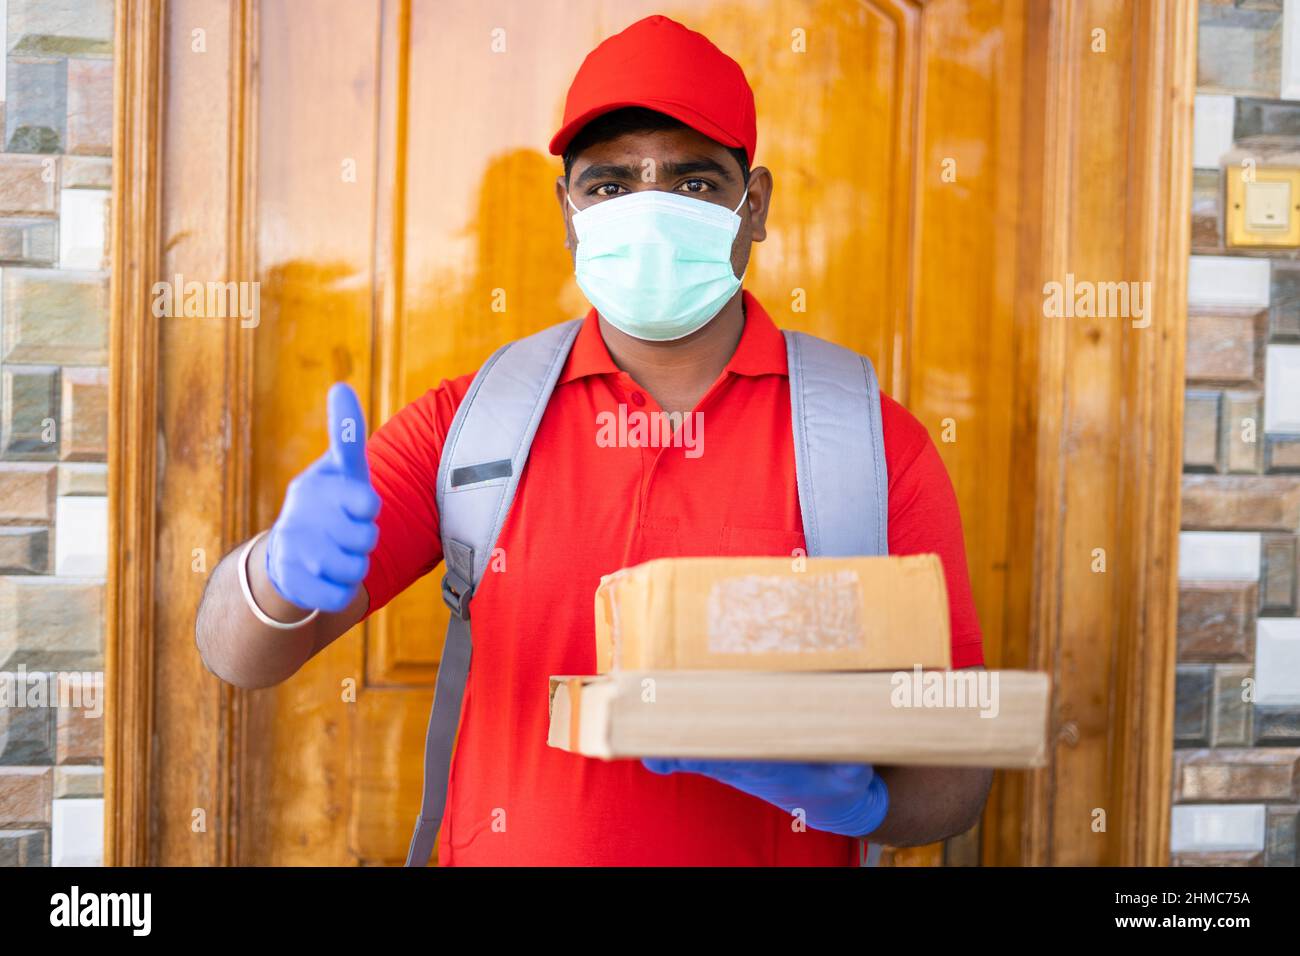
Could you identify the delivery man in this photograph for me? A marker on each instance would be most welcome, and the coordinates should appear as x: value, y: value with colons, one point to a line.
x: 660, y: 201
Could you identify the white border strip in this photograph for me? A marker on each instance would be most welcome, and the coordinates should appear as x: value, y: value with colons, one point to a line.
x: 1290, y: 79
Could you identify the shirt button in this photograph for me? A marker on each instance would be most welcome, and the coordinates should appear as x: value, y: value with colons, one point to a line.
x: 638, y: 398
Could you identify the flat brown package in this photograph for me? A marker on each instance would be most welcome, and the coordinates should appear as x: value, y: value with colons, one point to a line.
x: 966, y: 718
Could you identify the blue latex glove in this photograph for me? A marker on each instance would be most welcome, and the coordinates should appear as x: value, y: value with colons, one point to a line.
x: 845, y: 798
x: 318, y: 550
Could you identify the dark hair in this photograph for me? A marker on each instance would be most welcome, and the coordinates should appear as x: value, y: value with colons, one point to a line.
x: 633, y: 119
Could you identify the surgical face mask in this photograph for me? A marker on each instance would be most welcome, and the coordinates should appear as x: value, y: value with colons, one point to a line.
x: 656, y: 265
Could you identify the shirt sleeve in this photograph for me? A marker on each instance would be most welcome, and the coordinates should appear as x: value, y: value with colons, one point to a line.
x: 404, y: 454
x: 923, y: 517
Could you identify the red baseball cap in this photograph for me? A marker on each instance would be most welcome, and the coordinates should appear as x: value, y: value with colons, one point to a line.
x: 661, y: 65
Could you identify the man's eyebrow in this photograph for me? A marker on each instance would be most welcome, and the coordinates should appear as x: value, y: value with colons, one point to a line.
x: 618, y: 171
x: 702, y: 165
x: 606, y: 171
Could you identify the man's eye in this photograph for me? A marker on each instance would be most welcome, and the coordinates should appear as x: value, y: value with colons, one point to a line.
x: 696, y: 185
x: 607, y: 189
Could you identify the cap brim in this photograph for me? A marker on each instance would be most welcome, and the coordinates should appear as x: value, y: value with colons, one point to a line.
x: 701, y: 124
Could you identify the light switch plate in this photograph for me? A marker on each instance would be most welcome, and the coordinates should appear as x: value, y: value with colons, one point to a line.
x: 1263, y: 207
x: 1268, y: 206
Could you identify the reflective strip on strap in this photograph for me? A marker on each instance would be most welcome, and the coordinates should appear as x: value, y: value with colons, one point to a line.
x: 495, y: 423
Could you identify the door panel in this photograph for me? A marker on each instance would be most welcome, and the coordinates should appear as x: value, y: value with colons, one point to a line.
x: 314, y: 231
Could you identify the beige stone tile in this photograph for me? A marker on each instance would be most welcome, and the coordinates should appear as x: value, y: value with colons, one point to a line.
x: 87, y: 172
x: 26, y: 795
x: 90, y: 107
x: 78, y: 781
x: 1201, y: 431
x: 80, y: 728
x: 83, y: 479
x: 1241, y: 423
x: 55, y: 318
x: 24, y: 550
x: 1225, y: 347
x: 1241, y: 502
x: 1245, y: 775
x: 84, y: 434
x: 51, y: 623
x: 28, y: 185
x: 26, y: 493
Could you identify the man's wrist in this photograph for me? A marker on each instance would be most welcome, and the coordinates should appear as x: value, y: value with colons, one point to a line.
x: 265, y: 593
x: 866, y: 814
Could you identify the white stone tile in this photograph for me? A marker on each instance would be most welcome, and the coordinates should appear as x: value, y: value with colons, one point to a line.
x: 1290, y: 79
x: 1218, y: 555
x: 1232, y: 281
x: 49, y: 18
x: 1211, y: 827
x: 77, y: 832
x: 81, y: 535
x: 1282, y: 389
x: 1211, y: 129
x: 81, y: 228
x: 4, y: 44
x: 1277, y: 661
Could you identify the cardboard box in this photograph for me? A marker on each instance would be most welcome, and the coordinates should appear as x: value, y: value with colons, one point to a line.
x: 778, y: 614
x: 965, y: 718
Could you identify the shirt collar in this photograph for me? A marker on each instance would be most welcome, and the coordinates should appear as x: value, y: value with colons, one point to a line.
x: 760, y: 351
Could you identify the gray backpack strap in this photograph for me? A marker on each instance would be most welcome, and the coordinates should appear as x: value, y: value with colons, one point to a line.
x: 869, y: 854
x: 839, y: 456
x: 482, y: 460
x: 839, y: 449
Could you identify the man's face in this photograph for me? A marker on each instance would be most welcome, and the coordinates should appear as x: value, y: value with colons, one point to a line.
x: 678, y: 160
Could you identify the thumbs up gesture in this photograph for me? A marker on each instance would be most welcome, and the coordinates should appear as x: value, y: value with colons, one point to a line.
x: 318, y: 550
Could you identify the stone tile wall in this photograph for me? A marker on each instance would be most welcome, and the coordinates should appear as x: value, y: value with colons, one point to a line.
x: 1236, y: 772
x: 56, y: 112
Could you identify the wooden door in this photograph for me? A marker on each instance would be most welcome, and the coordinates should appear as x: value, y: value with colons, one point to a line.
x: 380, y: 169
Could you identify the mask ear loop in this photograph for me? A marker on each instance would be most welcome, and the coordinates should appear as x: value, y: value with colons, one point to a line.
x: 736, y: 212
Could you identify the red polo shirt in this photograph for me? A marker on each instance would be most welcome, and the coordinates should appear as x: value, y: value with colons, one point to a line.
x: 583, y: 510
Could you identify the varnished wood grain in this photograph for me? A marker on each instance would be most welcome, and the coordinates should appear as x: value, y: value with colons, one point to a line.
x: 1106, y: 208
x: 387, y: 776
x: 962, y: 346
x: 1166, y: 81
x: 315, y: 227
x: 133, y: 351
x: 192, y: 811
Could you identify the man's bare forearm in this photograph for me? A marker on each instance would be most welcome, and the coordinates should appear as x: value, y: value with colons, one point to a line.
x: 927, y: 804
x: 243, y: 651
